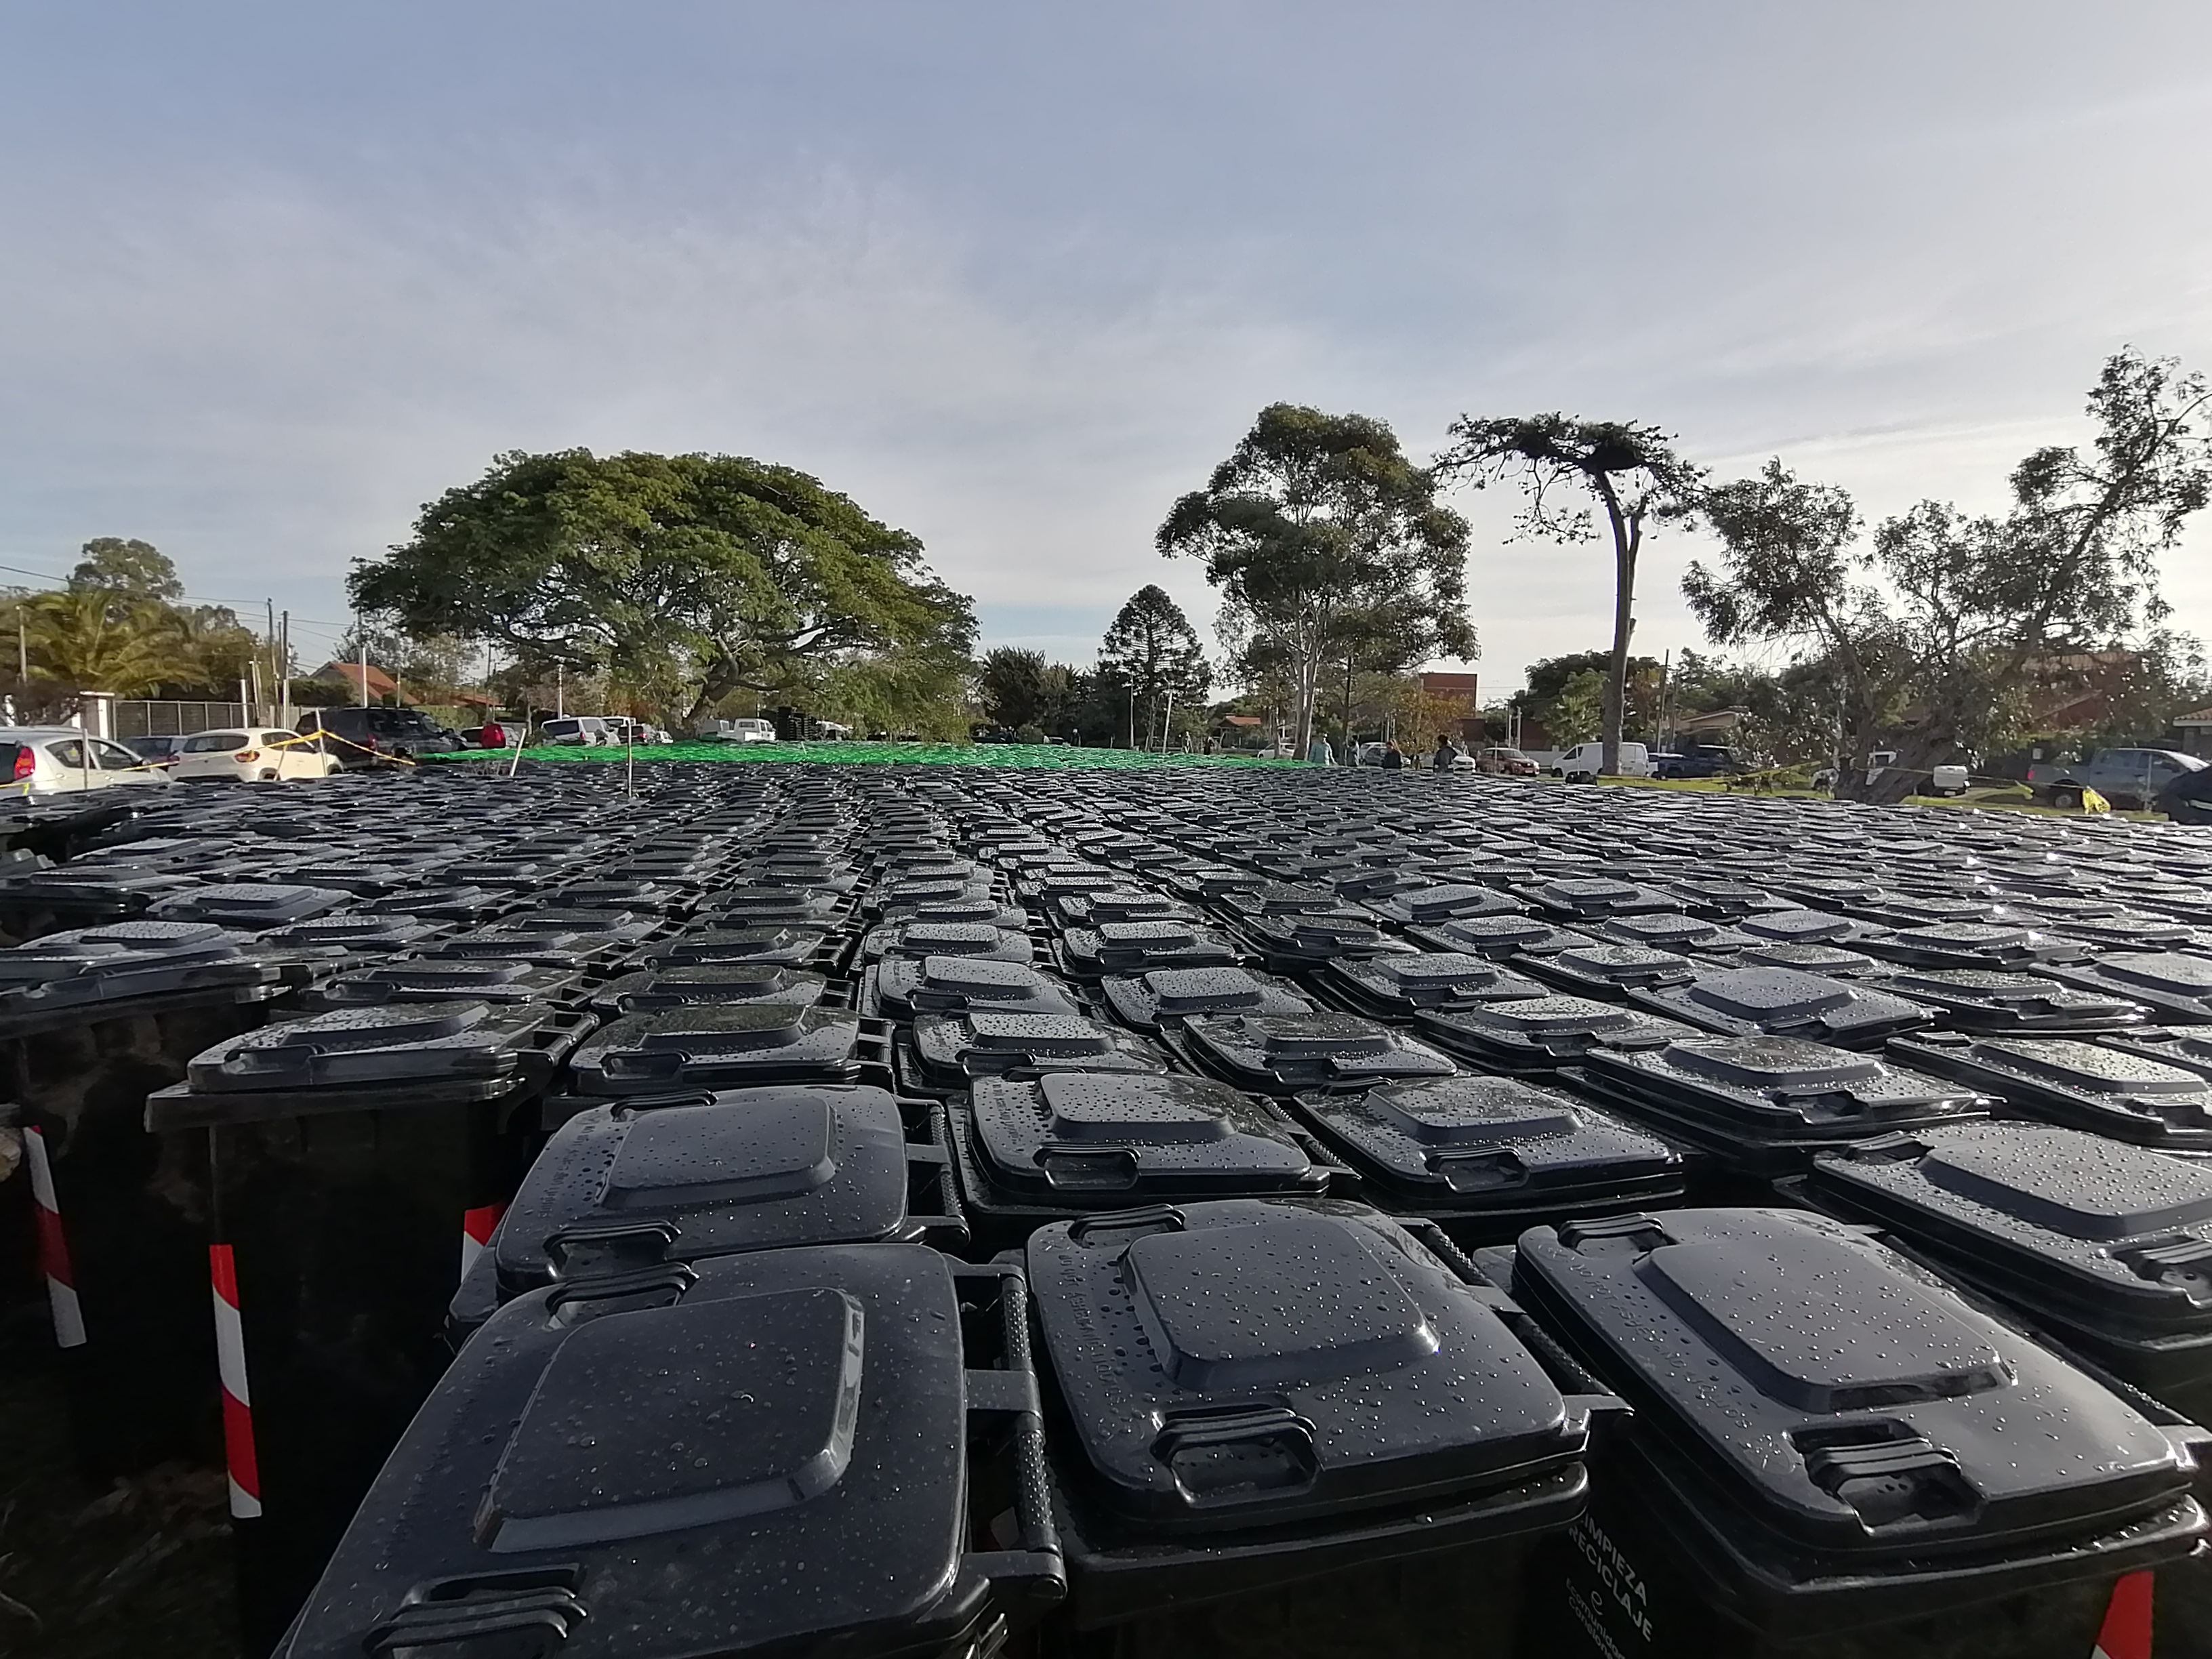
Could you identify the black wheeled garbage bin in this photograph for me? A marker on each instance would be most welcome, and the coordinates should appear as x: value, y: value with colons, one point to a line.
x: 91, y: 1021
x: 1834, y: 1455
x: 360, y: 1161
x: 1288, y: 1428
x: 817, y: 1451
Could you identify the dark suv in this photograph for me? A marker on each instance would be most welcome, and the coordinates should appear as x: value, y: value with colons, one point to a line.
x: 1702, y: 761
x: 364, y: 736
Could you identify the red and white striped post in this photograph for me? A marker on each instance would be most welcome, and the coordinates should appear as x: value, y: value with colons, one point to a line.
x: 477, y: 1227
x: 237, y: 1400
x: 53, y: 1246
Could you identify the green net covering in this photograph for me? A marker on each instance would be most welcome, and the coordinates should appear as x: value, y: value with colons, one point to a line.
x: 1053, y: 756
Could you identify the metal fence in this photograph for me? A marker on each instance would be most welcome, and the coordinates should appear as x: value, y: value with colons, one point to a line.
x: 137, y: 718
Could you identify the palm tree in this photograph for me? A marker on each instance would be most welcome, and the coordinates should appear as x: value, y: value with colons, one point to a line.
x: 87, y: 641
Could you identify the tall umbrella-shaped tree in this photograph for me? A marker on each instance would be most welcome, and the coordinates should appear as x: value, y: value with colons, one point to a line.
x: 1629, y: 471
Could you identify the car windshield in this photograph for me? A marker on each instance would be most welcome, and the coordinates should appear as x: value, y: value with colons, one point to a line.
x: 209, y: 742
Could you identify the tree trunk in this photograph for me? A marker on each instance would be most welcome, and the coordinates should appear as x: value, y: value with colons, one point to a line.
x: 1626, y: 533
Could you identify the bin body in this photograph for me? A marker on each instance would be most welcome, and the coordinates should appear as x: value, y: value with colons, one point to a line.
x: 344, y: 1236
x: 129, y: 1227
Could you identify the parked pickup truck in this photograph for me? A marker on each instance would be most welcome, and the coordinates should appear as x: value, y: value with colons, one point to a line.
x: 2125, y: 777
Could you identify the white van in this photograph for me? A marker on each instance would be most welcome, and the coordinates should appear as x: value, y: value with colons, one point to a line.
x: 753, y: 731
x: 1580, y: 763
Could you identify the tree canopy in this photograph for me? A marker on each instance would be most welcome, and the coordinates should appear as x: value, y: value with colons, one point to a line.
x: 1324, y: 539
x: 1950, y: 617
x: 115, y: 564
x: 714, y: 573
x: 1631, y: 470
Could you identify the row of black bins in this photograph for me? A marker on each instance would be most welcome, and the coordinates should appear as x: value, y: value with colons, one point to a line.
x: 1266, y: 1439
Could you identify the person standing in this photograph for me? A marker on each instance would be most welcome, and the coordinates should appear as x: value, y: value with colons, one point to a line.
x: 1393, y: 758
x: 1318, y: 753
x: 1445, y: 753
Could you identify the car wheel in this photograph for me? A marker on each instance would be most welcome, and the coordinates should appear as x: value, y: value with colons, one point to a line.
x: 2066, y: 798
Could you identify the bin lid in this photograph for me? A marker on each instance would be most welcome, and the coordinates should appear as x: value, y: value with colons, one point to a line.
x: 1660, y: 930
x: 2178, y: 985
x: 1596, y: 968
x: 2082, y: 1225
x: 1785, y: 1002
x: 1118, y: 904
x: 777, y: 904
x: 949, y: 938
x: 1496, y: 936
x: 2100, y: 1088
x: 948, y: 984
x: 622, y: 1188
x: 718, y: 943
x: 1399, y: 982
x: 461, y: 901
x: 1850, y: 1402
x: 1130, y: 947
x: 1780, y: 1087
x: 1286, y: 1052
x: 1425, y: 906
x: 354, y: 1047
x: 981, y: 1043
x: 654, y: 989
x: 1489, y: 1141
x: 1969, y: 945
x: 356, y: 933
x: 1114, y: 1140
x: 122, y: 961
x: 717, y: 1044
x: 1587, y: 897
x: 420, y: 979
x: 1236, y: 1363
x: 688, y: 1471
x: 249, y: 906
x: 1993, y: 998
x: 1145, y: 999
x: 1543, y: 1031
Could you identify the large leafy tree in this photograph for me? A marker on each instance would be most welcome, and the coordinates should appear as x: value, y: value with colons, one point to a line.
x: 1966, y: 607
x: 1789, y: 572
x: 1313, y: 523
x: 1630, y: 472
x: 1020, y: 689
x: 716, y: 572
x: 1152, y: 653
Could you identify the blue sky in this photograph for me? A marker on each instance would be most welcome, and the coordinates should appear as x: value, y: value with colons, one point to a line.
x: 1015, y: 275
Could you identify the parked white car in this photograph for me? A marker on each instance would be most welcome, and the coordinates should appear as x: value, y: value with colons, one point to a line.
x: 60, y: 760
x: 1580, y: 764
x: 753, y: 731
x: 255, y: 754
